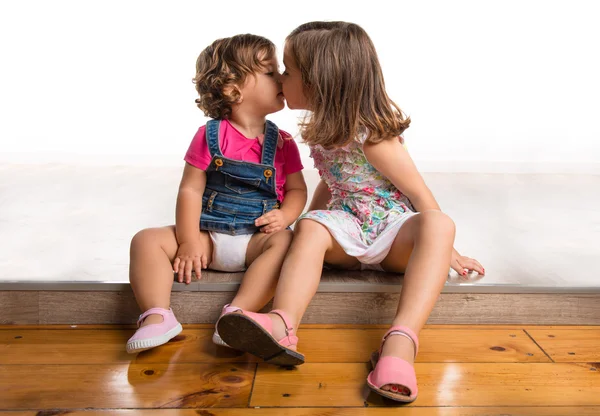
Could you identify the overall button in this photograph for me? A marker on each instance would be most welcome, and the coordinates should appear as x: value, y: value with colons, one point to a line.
x: 268, y: 173
x: 218, y: 163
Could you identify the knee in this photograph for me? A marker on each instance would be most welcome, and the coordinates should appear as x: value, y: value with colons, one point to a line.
x: 438, y: 223
x: 142, y: 240
x: 282, y: 239
x: 309, y: 228
x: 312, y: 233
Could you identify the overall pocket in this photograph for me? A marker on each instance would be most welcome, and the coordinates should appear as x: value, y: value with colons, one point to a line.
x: 241, y: 185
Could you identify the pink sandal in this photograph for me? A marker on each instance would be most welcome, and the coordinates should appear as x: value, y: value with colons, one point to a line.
x: 394, y: 370
x: 153, y: 335
x: 253, y: 332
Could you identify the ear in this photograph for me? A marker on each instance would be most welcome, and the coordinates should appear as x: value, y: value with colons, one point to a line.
x: 240, y: 95
x: 234, y: 92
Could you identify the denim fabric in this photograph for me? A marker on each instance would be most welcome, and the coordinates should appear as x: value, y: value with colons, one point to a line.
x: 238, y: 192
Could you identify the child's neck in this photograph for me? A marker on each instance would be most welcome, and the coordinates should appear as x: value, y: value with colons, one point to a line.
x: 249, y: 125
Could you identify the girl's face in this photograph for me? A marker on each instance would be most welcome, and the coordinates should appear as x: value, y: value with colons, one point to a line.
x: 262, y: 91
x: 291, y: 81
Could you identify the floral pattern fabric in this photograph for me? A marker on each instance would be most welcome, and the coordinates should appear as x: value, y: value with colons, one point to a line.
x: 366, y: 210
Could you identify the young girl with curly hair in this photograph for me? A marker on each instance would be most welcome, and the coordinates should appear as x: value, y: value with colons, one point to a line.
x: 242, y: 187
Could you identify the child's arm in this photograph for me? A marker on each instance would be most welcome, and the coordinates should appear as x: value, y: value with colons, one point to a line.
x: 321, y: 197
x: 191, y: 254
x: 393, y: 161
x: 291, y: 208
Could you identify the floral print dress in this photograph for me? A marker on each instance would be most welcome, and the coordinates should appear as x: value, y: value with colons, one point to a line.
x: 366, y: 210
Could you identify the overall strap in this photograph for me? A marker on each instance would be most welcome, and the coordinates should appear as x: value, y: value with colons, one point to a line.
x: 212, y: 137
x: 270, y: 143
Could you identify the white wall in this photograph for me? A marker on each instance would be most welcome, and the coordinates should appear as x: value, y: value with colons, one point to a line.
x: 490, y: 85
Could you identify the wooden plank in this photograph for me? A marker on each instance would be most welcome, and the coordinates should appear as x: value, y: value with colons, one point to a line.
x: 331, y: 411
x: 108, y: 346
x: 121, y: 308
x: 447, y: 384
x: 11, y: 413
x: 19, y: 307
x: 95, y: 307
x: 560, y: 327
x: 514, y: 327
x: 348, y: 345
x: 96, y: 346
x: 94, y: 326
x: 569, y: 345
x: 471, y: 327
x: 125, y: 386
x: 81, y: 307
x: 522, y: 309
x: 460, y: 308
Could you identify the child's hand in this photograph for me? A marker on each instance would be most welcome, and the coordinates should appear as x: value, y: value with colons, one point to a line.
x: 190, y: 256
x: 271, y: 222
x: 463, y: 265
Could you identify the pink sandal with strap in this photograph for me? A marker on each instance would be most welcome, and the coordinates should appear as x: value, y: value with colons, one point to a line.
x: 253, y: 332
x: 394, y: 370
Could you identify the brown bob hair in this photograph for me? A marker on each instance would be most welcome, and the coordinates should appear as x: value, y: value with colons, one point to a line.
x: 344, y: 85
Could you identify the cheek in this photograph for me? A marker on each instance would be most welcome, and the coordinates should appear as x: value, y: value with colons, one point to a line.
x: 289, y: 91
x: 298, y: 97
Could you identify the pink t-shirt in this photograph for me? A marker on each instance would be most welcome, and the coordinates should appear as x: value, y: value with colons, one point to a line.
x: 235, y: 145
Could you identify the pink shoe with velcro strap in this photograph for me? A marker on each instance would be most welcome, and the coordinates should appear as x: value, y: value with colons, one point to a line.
x: 153, y: 335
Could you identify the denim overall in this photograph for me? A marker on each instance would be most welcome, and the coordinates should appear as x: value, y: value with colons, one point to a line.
x: 238, y: 192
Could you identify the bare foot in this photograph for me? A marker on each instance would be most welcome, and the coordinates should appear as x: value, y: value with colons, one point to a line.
x: 402, y: 347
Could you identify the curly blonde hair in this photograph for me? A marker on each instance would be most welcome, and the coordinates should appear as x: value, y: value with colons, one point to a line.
x: 344, y: 85
x: 223, y: 67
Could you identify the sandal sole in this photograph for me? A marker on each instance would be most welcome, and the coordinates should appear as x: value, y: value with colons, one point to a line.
x: 243, y: 333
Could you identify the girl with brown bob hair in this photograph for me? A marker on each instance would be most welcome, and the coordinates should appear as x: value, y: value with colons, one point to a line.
x: 371, y: 210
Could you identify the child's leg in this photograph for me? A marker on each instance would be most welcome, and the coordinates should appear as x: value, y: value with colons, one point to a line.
x: 300, y: 276
x: 264, y: 259
x: 151, y: 268
x: 301, y: 271
x: 422, y: 250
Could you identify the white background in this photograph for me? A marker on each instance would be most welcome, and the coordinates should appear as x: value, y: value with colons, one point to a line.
x: 490, y: 85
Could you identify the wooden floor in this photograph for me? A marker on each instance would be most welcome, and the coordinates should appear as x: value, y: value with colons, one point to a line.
x: 462, y: 370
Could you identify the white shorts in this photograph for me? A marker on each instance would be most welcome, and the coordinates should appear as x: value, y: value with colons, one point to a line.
x: 344, y: 228
x: 229, y: 252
